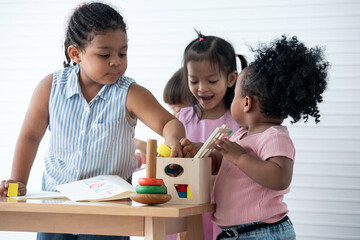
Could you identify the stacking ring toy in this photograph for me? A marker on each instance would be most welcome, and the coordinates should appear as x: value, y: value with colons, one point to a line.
x: 151, y: 181
x: 150, y: 198
x: 151, y: 189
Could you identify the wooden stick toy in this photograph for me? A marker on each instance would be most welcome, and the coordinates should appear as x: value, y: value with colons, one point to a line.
x: 151, y: 189
x: 218, y: 133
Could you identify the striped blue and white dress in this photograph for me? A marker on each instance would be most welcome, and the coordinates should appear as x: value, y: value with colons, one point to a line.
x: 88, y: 139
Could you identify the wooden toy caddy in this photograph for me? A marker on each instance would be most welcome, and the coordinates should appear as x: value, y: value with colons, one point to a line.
x: 196, y: 173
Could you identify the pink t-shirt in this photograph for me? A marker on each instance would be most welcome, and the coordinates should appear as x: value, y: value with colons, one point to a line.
x: 198, y: 131
x: 240, y: 200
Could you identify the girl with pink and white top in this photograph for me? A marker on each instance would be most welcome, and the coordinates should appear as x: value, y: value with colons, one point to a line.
x: 210, y: 72
x: 256, y: 163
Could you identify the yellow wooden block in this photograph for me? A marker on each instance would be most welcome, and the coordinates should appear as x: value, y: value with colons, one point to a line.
x: 13, y: 190
x: 9, y: 199
x: 188, y: 192
x: 164, y: 150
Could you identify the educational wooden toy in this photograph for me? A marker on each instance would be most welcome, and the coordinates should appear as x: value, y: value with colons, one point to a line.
x: 13, y: 190
x: 217, y: 134
x: 192, y: 185
x: 164, y: 150
x: 151, y: 182
x: 149, y: 191
x: 182, y: 190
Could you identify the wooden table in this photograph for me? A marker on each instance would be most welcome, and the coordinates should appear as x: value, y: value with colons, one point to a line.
x: 123, y: 218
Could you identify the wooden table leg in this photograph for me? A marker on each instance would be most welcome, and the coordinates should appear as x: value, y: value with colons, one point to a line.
x: 154, y: 228
x: 181, y: 236
x: 195, y: 229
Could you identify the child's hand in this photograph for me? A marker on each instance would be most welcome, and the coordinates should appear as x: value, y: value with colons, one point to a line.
x: 141, y: 158
x: 230, y: 150
x: 5, y: 184
x: 176, y: 150
x: 189, y: 148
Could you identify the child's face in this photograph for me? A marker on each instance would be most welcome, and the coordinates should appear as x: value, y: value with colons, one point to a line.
x: 104, y: 60
x: 208, y: 85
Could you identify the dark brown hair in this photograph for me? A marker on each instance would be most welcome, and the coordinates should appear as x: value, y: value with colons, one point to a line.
x: 176, y: 91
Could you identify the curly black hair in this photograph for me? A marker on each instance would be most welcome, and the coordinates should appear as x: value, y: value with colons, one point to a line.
x: 87, y: 21
x: 288, y: 79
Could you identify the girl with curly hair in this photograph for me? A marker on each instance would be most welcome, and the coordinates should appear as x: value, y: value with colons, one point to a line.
x: 256, y: 163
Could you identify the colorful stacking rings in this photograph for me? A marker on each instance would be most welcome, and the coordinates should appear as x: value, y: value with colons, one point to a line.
x: 151, y: 182
x: 151, y: 186
x: 151, y: 189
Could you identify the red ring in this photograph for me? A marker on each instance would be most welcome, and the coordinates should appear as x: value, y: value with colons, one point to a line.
x: 151, y: 182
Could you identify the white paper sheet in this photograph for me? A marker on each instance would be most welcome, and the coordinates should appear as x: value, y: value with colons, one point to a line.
x: 41, y: 195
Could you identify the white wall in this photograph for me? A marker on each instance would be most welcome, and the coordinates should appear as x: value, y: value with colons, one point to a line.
x: 324, y: 201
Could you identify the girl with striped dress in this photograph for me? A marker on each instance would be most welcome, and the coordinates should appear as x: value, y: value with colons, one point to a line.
x: 90, y: 108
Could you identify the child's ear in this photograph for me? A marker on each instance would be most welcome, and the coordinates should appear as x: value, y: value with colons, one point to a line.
x: 247, y: 103
x: 74, y: 53
x: 232, y: 78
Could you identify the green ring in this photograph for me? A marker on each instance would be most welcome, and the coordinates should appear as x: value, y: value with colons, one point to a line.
x: 151, y: 189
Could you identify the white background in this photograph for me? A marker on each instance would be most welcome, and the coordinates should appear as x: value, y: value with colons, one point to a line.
x: 324, y: 201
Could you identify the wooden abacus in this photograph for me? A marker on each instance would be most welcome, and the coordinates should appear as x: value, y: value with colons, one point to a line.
x: 151, y: 189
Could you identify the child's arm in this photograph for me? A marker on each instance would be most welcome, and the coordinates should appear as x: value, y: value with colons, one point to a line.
x: 216, y: 159
x: 274, y: 173
x: 142, y: 104
x: 32, y: 131
x: 141, y: 155
x: 141, y: 145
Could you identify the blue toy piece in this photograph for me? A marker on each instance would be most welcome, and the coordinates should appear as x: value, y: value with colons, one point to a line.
x: 182, y: 194
x: 171, y: 170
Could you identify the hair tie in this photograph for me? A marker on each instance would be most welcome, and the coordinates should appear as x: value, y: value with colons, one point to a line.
x: 200, y: 39
x: 236, y: 55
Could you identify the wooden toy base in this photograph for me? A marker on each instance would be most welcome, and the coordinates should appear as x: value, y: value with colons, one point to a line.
x: 150, y: 198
